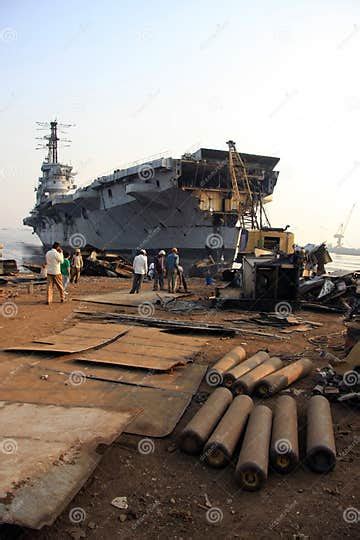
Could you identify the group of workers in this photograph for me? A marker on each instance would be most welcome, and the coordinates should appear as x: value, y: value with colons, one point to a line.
x: 61, y: 268
x: 163, y: 266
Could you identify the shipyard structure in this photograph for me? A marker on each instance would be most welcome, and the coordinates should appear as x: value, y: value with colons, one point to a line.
x: 187, y: 202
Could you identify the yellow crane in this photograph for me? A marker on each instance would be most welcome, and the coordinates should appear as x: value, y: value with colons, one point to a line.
x: 246, y: 203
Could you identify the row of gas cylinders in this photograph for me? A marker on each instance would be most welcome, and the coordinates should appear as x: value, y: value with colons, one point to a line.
x: 226, y: 422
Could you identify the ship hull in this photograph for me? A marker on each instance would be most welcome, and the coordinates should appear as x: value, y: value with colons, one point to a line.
x: 162, y: 204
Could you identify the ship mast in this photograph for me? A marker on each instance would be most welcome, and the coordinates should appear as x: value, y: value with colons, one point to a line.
x: 52, y: 139
x: 52, y: 144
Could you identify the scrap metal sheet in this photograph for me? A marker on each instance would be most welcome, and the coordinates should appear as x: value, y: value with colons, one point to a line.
x: 48, y: 454
x: 182, y: 379
x: 118, y: 298
x: 147, y: 348
x: 162, y: 409
x: 80, y: 337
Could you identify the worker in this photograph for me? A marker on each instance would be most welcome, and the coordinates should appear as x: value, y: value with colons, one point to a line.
x: 140, y: 269
x: 65, y: 270
x: 172, y: 263
x: 180, y: 280
x: 54, y: 258
x: 76, y: 266
x: 160, y: 270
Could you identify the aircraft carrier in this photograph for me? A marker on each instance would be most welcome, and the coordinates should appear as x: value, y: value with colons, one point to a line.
x: 187, y: 202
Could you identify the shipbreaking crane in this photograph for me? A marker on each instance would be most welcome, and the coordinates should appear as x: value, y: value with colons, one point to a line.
x: 343, y: 226
x: 248, y: 200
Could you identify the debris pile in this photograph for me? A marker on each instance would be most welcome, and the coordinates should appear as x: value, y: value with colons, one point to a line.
x: 8, y: 267
x: 104, y: 263
x: 336, y: 387
x: 338, y: 292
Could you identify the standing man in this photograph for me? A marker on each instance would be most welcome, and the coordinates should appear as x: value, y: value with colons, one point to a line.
x: 172, y: 263
x: 140, y: 269
x: 180, y: 280
x: 159, y: 270
x: 65, y: 270
x: 54, y: 258
x: 76, y: 266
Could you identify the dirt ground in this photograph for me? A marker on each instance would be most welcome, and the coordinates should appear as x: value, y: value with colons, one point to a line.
x: 168, y: 492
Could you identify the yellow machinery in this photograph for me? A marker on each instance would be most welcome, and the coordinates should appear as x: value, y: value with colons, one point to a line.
x: 253, y: 237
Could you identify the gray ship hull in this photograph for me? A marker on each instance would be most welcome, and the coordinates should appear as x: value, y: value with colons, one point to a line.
x: 184, y: 203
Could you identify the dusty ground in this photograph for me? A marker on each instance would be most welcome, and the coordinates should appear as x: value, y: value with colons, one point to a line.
x: 166, y: 489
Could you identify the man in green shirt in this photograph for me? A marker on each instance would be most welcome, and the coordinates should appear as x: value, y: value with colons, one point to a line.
x: 65, y: 271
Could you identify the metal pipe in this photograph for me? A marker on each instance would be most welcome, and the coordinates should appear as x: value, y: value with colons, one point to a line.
x: 196, y: 433
x: 240, y: 370
x: 283, y: 378
x: 216, y: 373
x: 247, y: 383
x: 220, y: 447
x: 252, y: 468
x: 284, y: 448
x: 320, y: 445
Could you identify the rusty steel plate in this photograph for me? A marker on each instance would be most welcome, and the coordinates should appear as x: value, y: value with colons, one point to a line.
x: 48, y: 454
x: 118, y: 298
x: 182, y: 379
x: 162, y: 408
x: 80, y: 337
x: 147, y: 348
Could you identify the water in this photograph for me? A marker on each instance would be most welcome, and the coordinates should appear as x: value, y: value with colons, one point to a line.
x: 349, y: 263
x: 23, y: 246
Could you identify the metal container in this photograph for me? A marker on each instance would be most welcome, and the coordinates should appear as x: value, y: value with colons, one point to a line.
x: 222, y: 443
x: 252, y: 467
x: 246, y: 366
x: 320, y: 445
x: 284, y: 448
x: 247, y: 383
x: 232, y: 358
x: 272, y: 384
x: 198, y: 430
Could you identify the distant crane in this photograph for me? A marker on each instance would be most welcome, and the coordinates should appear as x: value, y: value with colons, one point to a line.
x: 343, y: 226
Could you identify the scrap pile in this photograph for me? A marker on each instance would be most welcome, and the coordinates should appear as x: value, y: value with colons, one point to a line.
x: 337, y: 292
x: 104, y: 263
x: 337, y: 387
x: 8, y: 267
x: 287, y: 323
x: 225, y: 424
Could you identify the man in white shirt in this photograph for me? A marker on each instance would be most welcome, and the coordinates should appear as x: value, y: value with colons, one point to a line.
x: 76, y: 266
x: 140, y: 269
x: 54, y: 258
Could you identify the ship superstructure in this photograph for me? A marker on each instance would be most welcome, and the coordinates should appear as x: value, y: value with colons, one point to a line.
x: 187, y: 202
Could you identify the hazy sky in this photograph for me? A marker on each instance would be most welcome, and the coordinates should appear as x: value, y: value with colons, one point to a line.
x: 280, y: 77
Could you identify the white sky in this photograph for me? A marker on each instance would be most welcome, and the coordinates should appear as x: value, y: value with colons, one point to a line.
x: 280, y: 78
